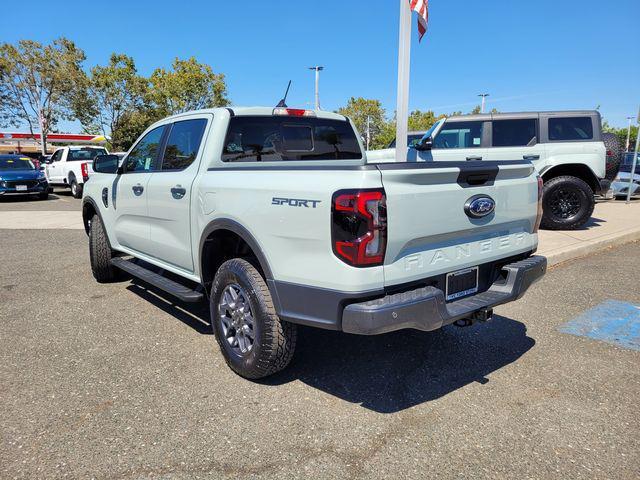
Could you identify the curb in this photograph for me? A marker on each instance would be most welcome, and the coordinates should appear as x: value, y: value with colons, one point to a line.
x: 591, y: 246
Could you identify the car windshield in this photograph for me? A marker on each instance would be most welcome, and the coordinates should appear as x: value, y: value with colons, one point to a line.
x: 16, y: 163
x: 85, y: 154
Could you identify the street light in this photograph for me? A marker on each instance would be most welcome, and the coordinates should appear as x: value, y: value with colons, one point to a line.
x: 317, y: 68
x: 626, y: 147
x: 483, y: 95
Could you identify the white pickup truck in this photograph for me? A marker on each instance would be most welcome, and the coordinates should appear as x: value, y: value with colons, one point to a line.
x: 71, y: 166
x: 277, y: 219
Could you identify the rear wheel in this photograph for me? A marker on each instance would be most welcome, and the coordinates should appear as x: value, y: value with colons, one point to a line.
x: 100, y: 253
x: 76, y: 190
x: 254, y: 341
x: 567, y: 203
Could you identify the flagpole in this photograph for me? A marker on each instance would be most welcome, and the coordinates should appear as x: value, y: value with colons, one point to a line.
x: 404, y: 58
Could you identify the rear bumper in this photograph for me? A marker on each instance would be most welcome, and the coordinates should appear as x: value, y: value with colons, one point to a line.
x: 604, y: 188
x: 425, y: 308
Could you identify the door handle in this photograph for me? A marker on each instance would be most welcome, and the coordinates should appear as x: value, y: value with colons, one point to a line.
x: 137, y: 190
x: 469, y: 159
x: 178, y: 192
x: 531, y: 157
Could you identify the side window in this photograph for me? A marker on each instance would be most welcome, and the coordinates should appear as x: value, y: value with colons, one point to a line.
x: 459, y: 135
x: 143, y: 155
x: 183, y: 144
x: 513, y: 133
x: 57, y: 156
x: 570, y: 128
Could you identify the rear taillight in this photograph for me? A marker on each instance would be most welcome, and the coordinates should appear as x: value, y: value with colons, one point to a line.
x: 84, y: 168
x: 359, y: 227
x: 539, y: 214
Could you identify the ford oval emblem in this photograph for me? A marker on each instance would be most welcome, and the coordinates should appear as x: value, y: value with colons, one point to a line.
x: 479, y: 206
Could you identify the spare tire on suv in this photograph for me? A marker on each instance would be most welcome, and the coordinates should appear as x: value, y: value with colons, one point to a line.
x: 614, y: 154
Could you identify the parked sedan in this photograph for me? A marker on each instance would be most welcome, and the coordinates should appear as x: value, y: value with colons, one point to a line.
x: 19, y: 175
x: 620, y: 184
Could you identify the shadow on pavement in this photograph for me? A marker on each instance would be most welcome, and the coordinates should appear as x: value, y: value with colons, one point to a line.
x: 194, y: 315
x: 384, y: 373
x: 396, y: 371
x: 592, y: 222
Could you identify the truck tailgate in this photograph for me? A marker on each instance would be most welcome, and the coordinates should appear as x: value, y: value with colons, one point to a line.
x: 429, y: 230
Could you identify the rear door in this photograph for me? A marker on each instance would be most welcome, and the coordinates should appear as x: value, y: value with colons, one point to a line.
x: 458, y: 141
x: 131, y: 223
x: 170, y: 192
x: 431, y: 230
x: 516, y: 138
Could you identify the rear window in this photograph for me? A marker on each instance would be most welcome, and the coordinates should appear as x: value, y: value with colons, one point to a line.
x: 570, y: 128
x: 85, y: 154
x: 269, y: 139
x: 513, y: 133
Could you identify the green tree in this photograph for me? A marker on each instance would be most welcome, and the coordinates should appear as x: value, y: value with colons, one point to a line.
x: 190, y: 85
x: 116, y: 92
x: 362, y: 110
x: 38, y: 84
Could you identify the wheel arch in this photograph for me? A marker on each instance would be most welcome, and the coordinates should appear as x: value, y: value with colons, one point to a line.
x: 222, y: 238
x: 578, y: 170
x: 89, y: 209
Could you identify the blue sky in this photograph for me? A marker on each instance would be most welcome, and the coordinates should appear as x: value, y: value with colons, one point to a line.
x: 529, y: 55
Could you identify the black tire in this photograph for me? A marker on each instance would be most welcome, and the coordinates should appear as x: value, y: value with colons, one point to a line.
x: 44, y: 195
x: 567, y: 203
x: 100, y: 253
x: 76, y: 189
x: 274, y: 339
x: 614, y: 154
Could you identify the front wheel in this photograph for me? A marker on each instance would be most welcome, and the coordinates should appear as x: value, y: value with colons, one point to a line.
x: 100, y: 253
x: 254, y: 341
x: 567, y: 203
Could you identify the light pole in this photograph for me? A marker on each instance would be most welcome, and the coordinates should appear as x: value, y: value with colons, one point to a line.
x: 626, y: 147
x: 317, y: 68
x: 483, y: 95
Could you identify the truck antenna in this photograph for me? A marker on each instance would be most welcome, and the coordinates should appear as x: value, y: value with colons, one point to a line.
x: 282, y: 103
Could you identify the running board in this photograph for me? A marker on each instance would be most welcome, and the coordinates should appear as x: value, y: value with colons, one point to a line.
x: 174, y: 288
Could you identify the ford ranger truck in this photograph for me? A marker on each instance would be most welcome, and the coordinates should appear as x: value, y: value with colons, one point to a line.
x: 276, y: 219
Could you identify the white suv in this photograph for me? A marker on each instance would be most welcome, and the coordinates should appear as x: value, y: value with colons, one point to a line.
x: 565, y: 147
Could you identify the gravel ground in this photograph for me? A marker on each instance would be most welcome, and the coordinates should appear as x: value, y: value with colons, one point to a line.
x: 115, y: 381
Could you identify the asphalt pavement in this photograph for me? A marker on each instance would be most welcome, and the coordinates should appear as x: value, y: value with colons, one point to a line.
x: 116, y: 381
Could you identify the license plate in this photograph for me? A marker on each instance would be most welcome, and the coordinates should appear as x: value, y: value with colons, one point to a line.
x: 21, y: 188
x: 462, y: 283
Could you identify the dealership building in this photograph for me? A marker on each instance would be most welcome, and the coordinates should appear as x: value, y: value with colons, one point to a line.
x: 29, y: 144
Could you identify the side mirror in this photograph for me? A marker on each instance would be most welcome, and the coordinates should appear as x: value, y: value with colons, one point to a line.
x: 106, y: 163
x: 48, y: 161
x: 424, y: 144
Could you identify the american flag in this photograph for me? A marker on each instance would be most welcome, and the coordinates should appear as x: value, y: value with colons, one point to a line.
x: 421, y: 7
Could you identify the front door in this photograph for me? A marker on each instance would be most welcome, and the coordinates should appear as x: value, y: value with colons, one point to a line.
x: 131, y: 224
x: 53, y: 170
x: 170, y: 193
x: 457, y: 141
